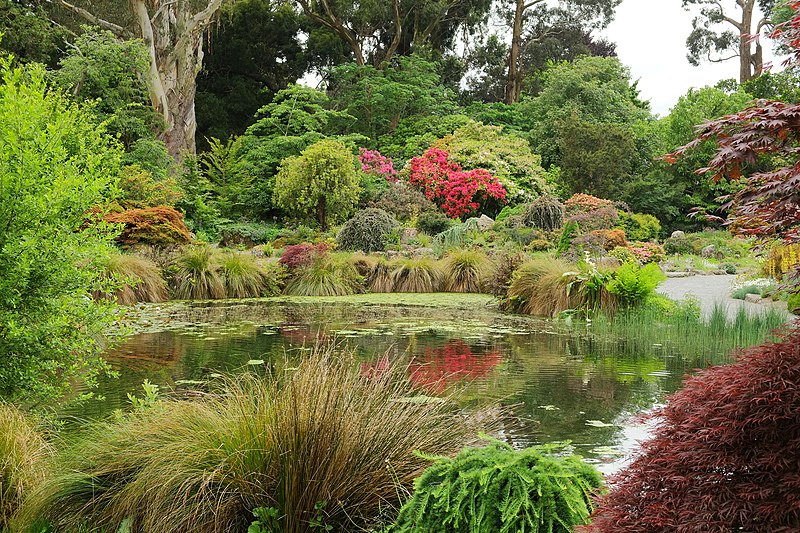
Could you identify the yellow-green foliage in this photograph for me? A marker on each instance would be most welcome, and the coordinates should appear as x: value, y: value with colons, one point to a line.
x: 320, y: 184
x: 539, y: 287
x: 497, y: 489
x: 321, y: 432
x: 781, y: 260
x: 23, y: 452
x: 416, y: 275
x: 243, y: 277
x: 140, y: 280
x: 197, y: 275
x: 632, y: 284
x: 466, y: 271
x: 326, y: 275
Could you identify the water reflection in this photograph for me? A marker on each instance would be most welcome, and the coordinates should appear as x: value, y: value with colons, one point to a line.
x: 560, y: 387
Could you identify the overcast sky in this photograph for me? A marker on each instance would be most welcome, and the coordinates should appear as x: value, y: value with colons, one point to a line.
x: 651, y: 41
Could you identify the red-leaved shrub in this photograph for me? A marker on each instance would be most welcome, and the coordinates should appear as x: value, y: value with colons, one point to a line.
x: 159, y: 225
x: 300, y: 255
x: 725, y: 455
x: 583, y: 203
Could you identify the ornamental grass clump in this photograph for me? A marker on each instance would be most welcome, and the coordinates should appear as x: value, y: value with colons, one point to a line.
x: 197, y: 275
x: 243, y: 277
x: 496, y: 489
x: 466, y: 271
x: 139, y: 280
x: 23, y: 454
x: 724, y: 454
x: 319, y: 432
x: 326, y: 275
x: 421, y: 274
x: 539, y: 287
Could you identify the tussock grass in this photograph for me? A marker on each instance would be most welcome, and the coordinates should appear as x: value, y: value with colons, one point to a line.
x: 416, y: 275
x: 322, y: 431
x: 466, y: 271
x: 242, y: 276
x: 140, y: 279
x: 379, y: 278
x: 197, y: 275
x: 328, y: 275
x: 539, y: 287
x: 23, y: 455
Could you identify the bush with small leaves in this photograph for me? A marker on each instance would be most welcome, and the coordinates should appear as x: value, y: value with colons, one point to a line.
x: 433, y: 223
x: 545, y: 213
x: 369, y: 231
x: 159, y: 225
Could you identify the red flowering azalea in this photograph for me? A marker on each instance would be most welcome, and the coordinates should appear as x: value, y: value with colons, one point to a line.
x: 456, y: 191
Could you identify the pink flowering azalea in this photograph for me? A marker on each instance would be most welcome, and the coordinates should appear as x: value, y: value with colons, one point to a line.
x: 373, y: 162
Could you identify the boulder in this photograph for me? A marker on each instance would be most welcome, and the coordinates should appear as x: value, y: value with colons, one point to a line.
x: 677, y: 235
x: 709, y: 251
x: 484, y: 223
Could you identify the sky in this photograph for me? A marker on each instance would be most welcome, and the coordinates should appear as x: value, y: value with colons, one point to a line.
x: 651, y: 41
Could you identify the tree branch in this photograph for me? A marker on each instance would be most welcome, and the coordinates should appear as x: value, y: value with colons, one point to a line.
x: 205, y: 15
x: 119, y: 31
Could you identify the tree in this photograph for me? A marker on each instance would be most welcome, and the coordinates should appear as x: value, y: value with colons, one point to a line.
x: 321, y: 184
x: 376, y: 31
x: 173, y: 32
x: 586, y: 14
x: 28, y: 34
x: 56, y: 164
x: 708, y: 41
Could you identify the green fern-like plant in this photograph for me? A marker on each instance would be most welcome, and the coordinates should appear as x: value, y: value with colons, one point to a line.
x: 496, y: 489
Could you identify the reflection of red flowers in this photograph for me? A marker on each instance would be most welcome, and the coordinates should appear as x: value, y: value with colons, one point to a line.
x: 302, y: 335
x: 452, y: 362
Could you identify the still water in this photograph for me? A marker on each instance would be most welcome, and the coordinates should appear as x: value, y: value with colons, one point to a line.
x: 560, y: 385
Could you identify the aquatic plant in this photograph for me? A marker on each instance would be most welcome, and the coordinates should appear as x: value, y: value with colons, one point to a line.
x: 501, y: 490
x: 319, y: 432
x: 724, y: 455
x: 23, y: 453
x: 140, y: 280
x: 326, y: 275
x: 466, y: 271
x: 197, y: 275
x: 416, y: 275
x: 243, y: 277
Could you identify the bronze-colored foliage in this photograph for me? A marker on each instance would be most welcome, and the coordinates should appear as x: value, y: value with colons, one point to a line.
x: 153, y: 225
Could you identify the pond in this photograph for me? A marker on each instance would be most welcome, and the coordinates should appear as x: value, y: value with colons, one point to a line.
x: 560, y: 384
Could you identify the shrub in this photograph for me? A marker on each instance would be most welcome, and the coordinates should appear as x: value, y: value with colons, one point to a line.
x: 433, y: 223
x: 159, y: 225
x: 545, y: 213
x: 647, y: 252
x: 583, y: 203
x: 139, y: 189
x: 403, y: 202
x: 140, y: 280
x: 509, y: 213
x: 602, y: 218
x: 724, y: 454
x: 416, y: 275
x: 568, y: 233
x: 610, y: 238
x: 793, y: 303
x: 538, y: 245
x: 197, y: 275
x: 300, y: 255
x: 457, y: 236
x: 466, y: 271
x: 243, y: 277
x: 505, y: 264
x: 246, y: 234
x: 781, y: 260
x: 368, y: 231
x: 320, y: 432
x: 624, y: 255
x: 633, y: 285
x: 501, y: 490
x: 326, y: 275
x: 23, y: 452
x: 678, y: 245
x: 639, y: 226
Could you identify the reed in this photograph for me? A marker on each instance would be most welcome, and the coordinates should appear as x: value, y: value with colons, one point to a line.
x: 197, y: 275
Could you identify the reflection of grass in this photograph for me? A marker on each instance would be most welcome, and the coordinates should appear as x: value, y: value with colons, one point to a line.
x: 681, y: 330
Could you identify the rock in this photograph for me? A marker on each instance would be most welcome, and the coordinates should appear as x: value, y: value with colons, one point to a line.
x: 419, y: 252
x: 608, y: 262
x: 709, y: 251
x: 409, y: 234
x: 485, y: 223
x: 677, y: 235
x: 752, y: 298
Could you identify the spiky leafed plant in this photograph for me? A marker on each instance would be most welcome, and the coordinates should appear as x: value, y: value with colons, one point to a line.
x: 501, y: 490
x: 197, y: 275
x: 545, y: 212
x: 139, y: 279
x: 421, y: 274
x: 466, y: 271
x: 326, y: 275
x: 23, y: 454
x: 379, y: 279
x: 320, y: 432
x: 243, y: 277
x: 539, y: 287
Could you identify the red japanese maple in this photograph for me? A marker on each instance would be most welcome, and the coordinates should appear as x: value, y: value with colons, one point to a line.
x: 457, y: 192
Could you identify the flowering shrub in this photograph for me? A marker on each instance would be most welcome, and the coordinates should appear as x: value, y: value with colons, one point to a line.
x: 647, y: 252
x: 582, y: 203
x: 456, y: 191
x: 373, y: 162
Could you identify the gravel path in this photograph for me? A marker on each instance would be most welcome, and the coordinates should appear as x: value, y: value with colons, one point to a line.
x: 708, y: 289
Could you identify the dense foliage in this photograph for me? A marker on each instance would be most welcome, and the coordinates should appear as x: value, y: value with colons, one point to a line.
x: 368, y: 231
x: 55, y: 164
x: 498, y: 489
x: 724, y: 454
